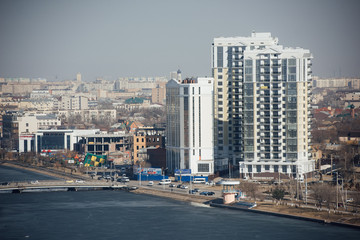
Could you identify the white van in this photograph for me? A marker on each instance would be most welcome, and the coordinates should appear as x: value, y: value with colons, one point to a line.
x: 199, y: 180
x: 164, y: 181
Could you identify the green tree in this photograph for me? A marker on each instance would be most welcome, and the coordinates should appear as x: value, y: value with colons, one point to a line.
x: 278, y: 194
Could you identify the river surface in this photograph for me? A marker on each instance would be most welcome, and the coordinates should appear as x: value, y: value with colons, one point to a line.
x: 123, y: 215
x: 9, y: 174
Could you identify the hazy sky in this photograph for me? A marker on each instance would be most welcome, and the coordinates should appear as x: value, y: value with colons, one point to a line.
x: 111, y: 39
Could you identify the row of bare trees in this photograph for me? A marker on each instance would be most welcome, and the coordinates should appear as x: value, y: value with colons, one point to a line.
x: 322, y: 194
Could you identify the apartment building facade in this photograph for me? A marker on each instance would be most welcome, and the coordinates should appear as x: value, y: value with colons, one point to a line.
x: 261, y: 105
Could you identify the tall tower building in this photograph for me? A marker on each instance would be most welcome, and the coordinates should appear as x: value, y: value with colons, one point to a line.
x: 189, y: 135
x: 78, y: 77
x: 261, y: 105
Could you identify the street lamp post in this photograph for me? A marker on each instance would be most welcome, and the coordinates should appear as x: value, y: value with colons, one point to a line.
x: 139, y: 174
x: 305, y: 188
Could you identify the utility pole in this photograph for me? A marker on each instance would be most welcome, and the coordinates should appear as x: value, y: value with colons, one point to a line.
x: 331, y: 166
x: 229, y: 170
x: 305, y: 188
x: 297, y: 184
x: 279, y: 177
x: 337, y: 189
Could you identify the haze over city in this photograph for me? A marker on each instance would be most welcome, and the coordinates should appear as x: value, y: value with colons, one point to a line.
x: 111, y: 39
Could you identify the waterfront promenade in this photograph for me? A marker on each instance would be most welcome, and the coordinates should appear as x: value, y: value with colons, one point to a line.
x: 286, y: 210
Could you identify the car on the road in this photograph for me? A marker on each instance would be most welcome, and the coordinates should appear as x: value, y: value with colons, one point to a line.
x: 172, y: 185
x: 124, y: 179
x: 218, y: 183
x: 196, y: 190
x: 192, y: 191
x: 34, y: 182
x: 207, y: 193
x: 179, y: 185
x: 165, y: 181
x: 150, y: 183
x: 79, y: 181
x: 184, y: 187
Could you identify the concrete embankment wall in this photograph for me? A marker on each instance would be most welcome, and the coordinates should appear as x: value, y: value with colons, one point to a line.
x: 284, y: 215
x: 174, y: 195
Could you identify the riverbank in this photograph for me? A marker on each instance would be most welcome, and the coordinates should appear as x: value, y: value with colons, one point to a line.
x: 44, y: 171
x: 308, y: 214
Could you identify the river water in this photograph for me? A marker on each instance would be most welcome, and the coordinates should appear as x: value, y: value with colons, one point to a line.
x: 122, y: 215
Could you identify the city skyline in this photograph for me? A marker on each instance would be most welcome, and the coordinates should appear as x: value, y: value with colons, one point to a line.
x: 57, y: 39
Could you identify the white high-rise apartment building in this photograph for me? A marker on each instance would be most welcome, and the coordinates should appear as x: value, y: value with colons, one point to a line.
x: 189, y: 136
x: 261, y: 105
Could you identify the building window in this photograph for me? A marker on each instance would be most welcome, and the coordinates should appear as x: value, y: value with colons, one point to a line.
x: 186, y: 91
x: 203, y: 167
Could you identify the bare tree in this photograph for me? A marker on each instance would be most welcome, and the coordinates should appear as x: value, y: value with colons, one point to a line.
x: 251, y: 189
x: 291, y: 189
x: 323, y: 194
x: 355, y: 201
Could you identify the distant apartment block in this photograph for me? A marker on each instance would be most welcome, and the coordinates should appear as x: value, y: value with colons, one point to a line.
x: 89, y: 115
x: 189, y: 136
x: 73, y: 103
x: 261, y: 105
x: 40, y: 104
x: 15, y: 88
x: 126, y: 83
x: 351, y: 83
x: 40, y: 93
x: 158, y: 94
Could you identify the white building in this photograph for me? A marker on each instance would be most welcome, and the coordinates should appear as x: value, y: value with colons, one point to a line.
x: 52, y: 140
x: 40, y: 93
x: 262, y: 108
x: 189, y: 143
x: 29, y: 124
x: 73, y: 103
x: 32, y: 122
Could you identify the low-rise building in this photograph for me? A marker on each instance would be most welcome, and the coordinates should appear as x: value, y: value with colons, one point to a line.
x: 104, y: 144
